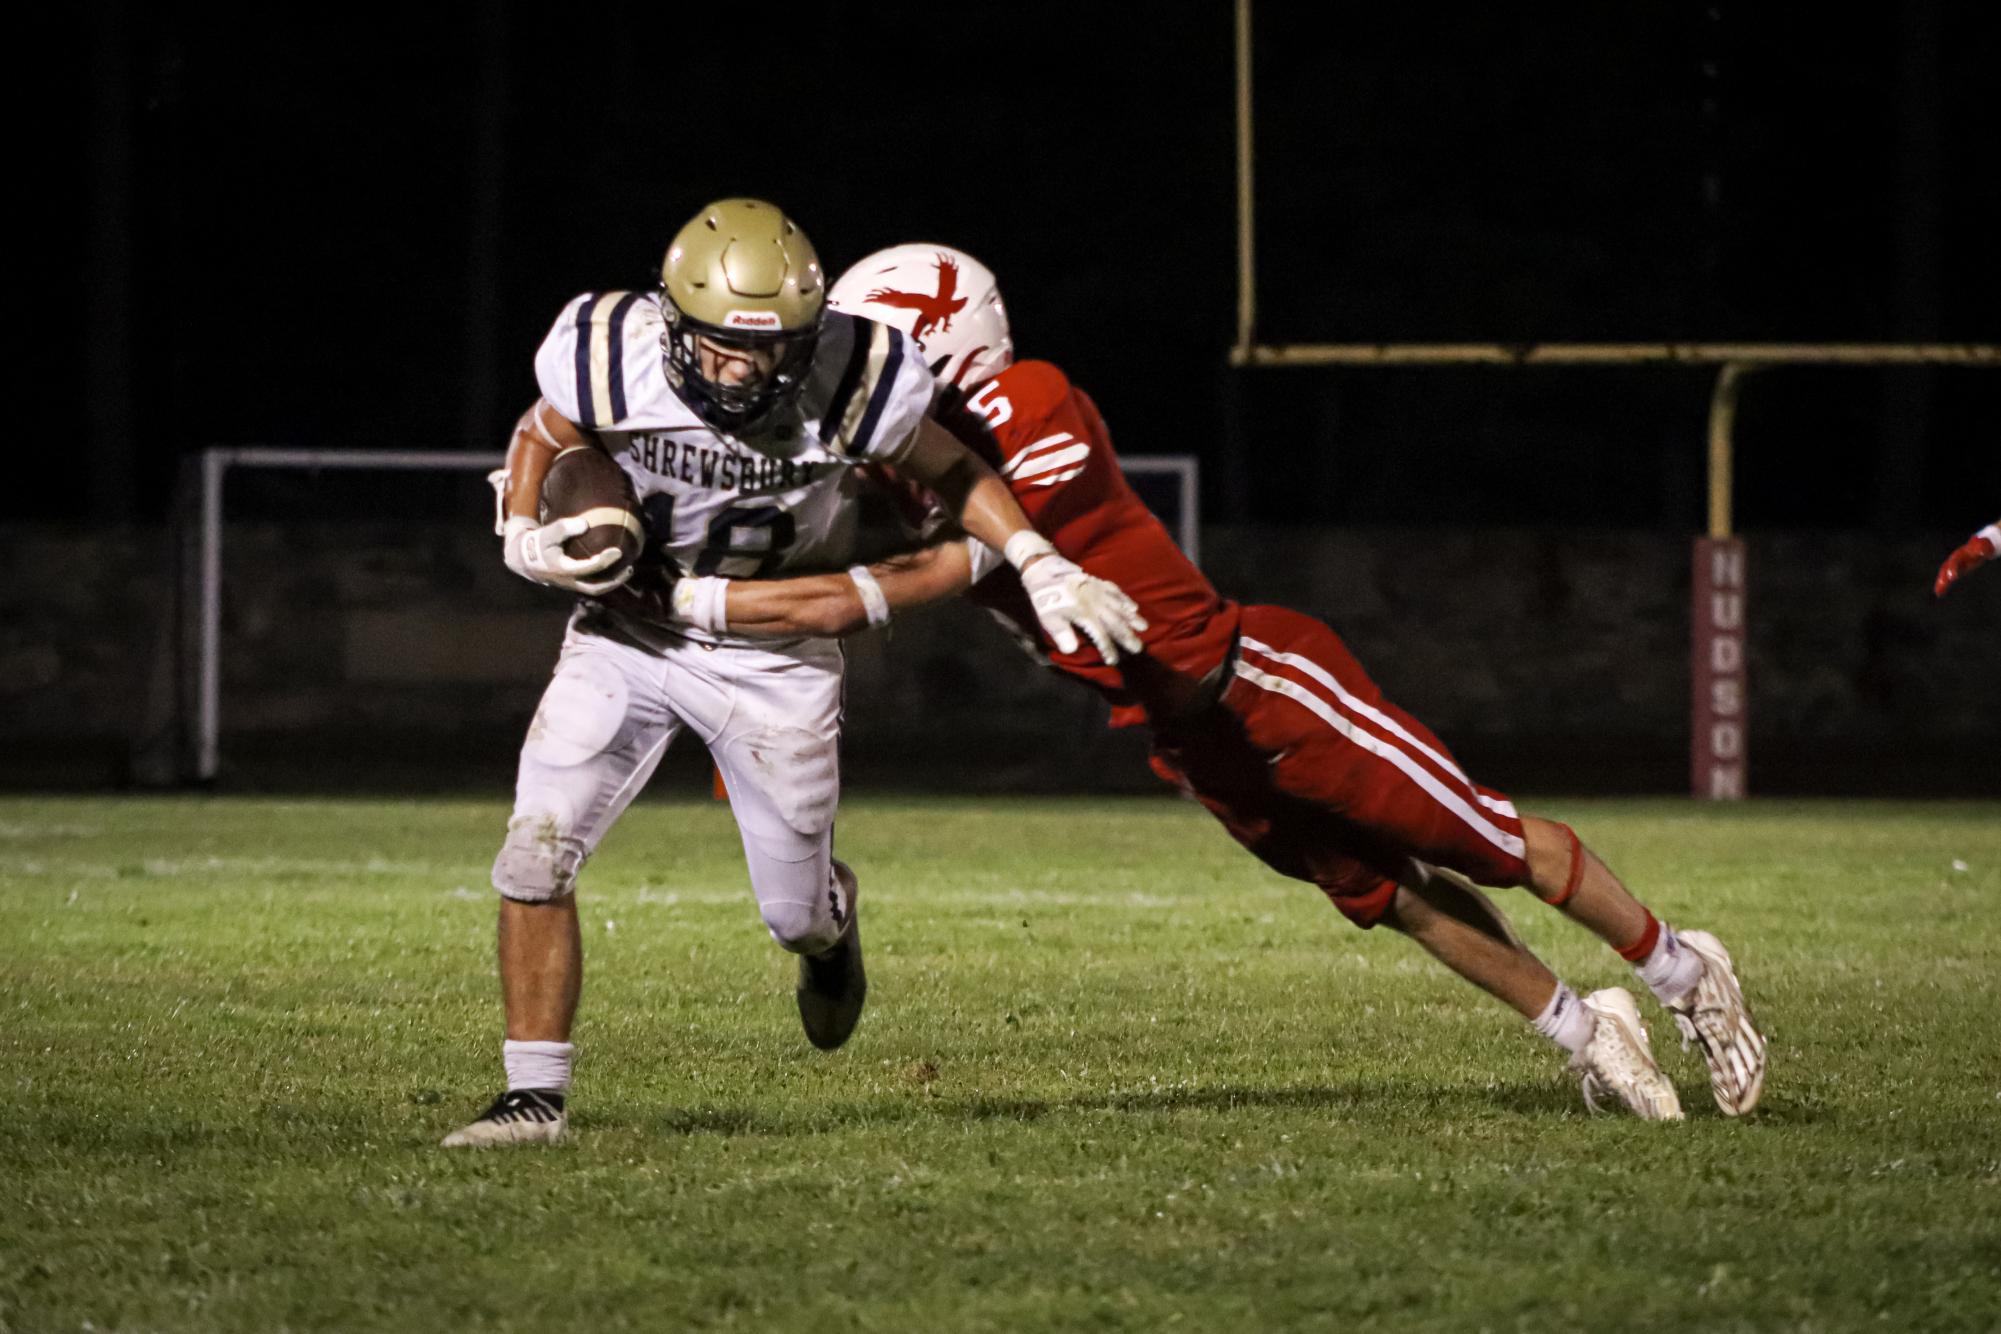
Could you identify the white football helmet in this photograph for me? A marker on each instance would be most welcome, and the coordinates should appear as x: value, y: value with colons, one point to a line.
x: 943, y: 298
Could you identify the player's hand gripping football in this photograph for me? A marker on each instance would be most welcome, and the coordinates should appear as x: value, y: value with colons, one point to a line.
x: 535, y: 551
x: 1067, y: 600
x: 1982, y: 547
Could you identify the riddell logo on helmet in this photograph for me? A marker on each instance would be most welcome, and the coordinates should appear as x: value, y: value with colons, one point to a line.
x: 751, y: 319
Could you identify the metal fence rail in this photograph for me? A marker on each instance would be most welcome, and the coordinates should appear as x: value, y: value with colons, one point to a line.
x: 217, y: 462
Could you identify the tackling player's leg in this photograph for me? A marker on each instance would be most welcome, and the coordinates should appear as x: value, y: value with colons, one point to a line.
x: 1690, y: 972
x: 1460, y: 927
x: 1345, y: 784
x: 1714, y: 1018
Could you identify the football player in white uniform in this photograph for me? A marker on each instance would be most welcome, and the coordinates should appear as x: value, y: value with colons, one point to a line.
x: 740, y: 408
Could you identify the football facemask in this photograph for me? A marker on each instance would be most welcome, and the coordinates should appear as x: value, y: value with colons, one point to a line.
x: 729, y: 377
x: 742, y: 294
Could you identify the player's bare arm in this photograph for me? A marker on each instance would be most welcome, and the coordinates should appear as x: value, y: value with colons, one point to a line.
x: 1066, y: 599
x: 970, y: 491
x: 532, y: 549
x: 539, y: 435
x: 832, y: 605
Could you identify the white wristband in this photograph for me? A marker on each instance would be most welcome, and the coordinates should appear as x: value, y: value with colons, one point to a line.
x: 873, y: 601
x: 1025, y: 546
x: 1992, y: 532
x: 703, y: 602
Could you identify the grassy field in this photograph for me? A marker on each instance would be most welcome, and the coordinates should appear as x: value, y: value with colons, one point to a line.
x: 1114, y: 1075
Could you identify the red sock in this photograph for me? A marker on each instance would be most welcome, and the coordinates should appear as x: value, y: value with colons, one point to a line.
x: 1637, y: 952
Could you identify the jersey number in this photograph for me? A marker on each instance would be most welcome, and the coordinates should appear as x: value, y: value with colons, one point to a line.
x: 991, y: 404
x: 745, y: 539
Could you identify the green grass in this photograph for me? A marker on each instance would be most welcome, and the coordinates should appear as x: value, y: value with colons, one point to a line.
x: 1114, y: 1075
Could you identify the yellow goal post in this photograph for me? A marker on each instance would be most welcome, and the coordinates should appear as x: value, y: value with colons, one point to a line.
x: 1719, y: 735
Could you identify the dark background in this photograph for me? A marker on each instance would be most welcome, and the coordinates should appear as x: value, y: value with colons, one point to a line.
x: 349, y: 228
x: 337, y: 227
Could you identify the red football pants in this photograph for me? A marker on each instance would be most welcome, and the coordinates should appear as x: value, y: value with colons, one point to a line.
x: 1309, y: 767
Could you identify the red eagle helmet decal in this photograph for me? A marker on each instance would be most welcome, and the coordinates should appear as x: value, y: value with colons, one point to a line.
x: 934, y: 310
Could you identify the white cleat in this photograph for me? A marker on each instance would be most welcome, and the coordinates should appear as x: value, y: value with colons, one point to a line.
x: 1618, y: 1062
x: 518, y: 1116
x: 1714, y: 1018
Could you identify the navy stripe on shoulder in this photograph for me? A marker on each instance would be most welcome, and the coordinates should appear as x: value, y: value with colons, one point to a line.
x: 616, y: 372
x: 885, y: 385
x: 851, y: 376
x: 586, y: 410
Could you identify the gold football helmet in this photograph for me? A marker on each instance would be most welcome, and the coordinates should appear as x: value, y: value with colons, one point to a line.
x: 743, y: 295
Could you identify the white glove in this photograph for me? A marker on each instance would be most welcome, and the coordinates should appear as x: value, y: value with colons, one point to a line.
x: 1067, y: 600
x: 535, y: 552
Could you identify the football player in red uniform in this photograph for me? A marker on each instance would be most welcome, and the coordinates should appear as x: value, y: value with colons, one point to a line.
x: 1262, y: 714
x: 1976, y: 551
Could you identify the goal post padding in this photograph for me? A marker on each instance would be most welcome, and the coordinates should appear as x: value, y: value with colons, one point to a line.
x: 1719, y: 730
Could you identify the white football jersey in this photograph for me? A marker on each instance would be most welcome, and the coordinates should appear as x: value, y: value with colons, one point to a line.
x: 778, y: 498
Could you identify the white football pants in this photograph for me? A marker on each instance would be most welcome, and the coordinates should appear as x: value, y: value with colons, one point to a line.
x: 772, y: 721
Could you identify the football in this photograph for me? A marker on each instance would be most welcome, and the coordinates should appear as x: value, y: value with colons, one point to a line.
x: 584, y: 482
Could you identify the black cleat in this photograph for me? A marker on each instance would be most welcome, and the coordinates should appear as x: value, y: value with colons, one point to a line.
x: 518, y: 1116
x: 833, y: 985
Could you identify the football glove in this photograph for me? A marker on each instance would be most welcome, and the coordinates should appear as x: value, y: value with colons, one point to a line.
x: 535, y: 552
x: 1067, y: 600
x: 1978, y: 550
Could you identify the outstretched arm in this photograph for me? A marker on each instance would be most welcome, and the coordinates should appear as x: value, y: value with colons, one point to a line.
x: 1066, y: 600
x: 971, y: 492
x: 1977, y: 550
x: 826, y: 604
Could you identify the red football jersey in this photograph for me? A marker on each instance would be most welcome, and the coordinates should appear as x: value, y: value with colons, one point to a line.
x: 1046, y: 439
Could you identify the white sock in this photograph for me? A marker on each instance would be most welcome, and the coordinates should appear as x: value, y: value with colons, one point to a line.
x: 1565, y: 1021
x: 1671, y: 970
x: 538, y: 1065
